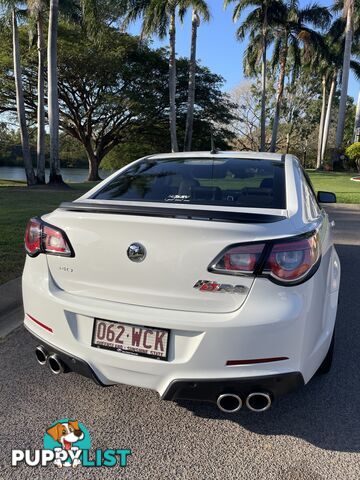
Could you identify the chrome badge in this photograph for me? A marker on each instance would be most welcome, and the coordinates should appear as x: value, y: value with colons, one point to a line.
x: 208, y: 286
x: 136, y: 252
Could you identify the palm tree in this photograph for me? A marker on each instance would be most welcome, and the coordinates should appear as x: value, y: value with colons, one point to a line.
x: 291, y: 32
x: 326, y: 126
x: 322, y: 120
x: 201, y: 9
x: 331, y: 64
x: 36, y: 10
x: 323, y: 62
x: 357, y: 121
x: 53, y: 97
x: 158, y: 17
x: 348, y: 11
x: 258, y: 24
x: 12, y: 10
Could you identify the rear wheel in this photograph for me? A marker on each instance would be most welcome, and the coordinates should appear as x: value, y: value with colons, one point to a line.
x: 325, y: 367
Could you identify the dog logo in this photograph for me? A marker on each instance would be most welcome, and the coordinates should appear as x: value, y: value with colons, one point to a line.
x: 67, y: 438
x: 67, y: 444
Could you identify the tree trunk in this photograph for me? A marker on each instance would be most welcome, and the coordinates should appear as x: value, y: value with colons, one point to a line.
x: 263, y: 90
x: 328, y: 117
x: 40, y: 170
x: 93, y: 175
x: 321, y: 124
x: 53, y: 99
x: 20, y: 105
x: 288, y: 135
x: 345, y: 79
x: 287, y: 142
x: 191, y: 93
x: 94, y: 162
x: 305, y: 153
x: 279, y: 98
x: 357, y: 122
x: 172, y: 84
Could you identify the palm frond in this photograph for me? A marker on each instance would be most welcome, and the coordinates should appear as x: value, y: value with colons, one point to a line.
x: 201, y: 7
x: 276, y: 53
x: 355, y: 67
x: 315, y: 15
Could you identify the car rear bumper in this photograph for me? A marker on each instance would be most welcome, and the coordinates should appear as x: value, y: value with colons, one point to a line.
x: 289, y: 322
x: 195, y: 389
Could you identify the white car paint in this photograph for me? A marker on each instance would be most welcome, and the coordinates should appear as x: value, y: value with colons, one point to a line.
x: 207, y: 329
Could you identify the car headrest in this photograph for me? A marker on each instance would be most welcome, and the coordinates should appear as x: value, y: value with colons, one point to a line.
x: 267, y: 183
x: 206, y: 193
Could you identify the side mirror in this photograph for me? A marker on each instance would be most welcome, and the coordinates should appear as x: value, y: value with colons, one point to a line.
x: 326, y: 197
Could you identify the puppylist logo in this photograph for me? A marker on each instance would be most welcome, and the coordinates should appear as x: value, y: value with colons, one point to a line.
x: 67, y: 443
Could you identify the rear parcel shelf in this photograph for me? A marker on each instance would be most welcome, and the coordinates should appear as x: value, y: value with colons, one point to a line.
x: 172, y: 212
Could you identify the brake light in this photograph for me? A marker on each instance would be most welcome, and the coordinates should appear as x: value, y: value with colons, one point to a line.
x: 40, y: 237
x: 292, y: 260
x: 288, y: 261
x: 54, y: 241
x: 241, y: 258
x: 33, y: 237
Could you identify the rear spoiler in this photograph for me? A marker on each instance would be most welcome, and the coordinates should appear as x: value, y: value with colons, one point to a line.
x: 171, y: 212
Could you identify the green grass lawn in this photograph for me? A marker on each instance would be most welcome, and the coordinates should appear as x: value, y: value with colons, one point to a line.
x: 18, y: 204
x: 346, y: 190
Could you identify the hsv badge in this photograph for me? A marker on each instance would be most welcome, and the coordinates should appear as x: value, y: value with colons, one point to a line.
x: 136, y: 252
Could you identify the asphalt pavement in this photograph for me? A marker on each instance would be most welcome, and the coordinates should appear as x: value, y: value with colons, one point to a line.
x: 312, y: 434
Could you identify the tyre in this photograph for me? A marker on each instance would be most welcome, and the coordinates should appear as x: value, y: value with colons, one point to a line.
x: 325, y: 367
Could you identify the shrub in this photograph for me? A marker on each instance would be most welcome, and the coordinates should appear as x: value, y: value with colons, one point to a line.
x: 353, y: 154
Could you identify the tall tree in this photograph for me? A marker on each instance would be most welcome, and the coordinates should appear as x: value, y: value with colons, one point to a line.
x: 159, y: 17
x: 330, y: 63
x: 291, y: 32
x: 258, y: 24
x: 53, y: 95
x: 36, y: 10
x: 357, y: 121
x: 199, y: 10
x: 322, y: 120
x: 326, y: 126
x: 11, y: 10
x: 348, y: 12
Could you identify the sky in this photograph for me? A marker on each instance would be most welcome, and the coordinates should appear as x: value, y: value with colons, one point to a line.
x: 218, y: 48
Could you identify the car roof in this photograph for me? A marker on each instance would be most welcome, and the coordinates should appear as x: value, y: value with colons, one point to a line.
x: 223, y: 154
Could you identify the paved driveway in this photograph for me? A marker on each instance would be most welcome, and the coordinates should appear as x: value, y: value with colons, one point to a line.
x: 311, y: 434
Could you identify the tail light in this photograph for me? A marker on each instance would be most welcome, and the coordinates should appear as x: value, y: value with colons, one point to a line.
x: 240, y: 259
x: 41, y: 237
x: 290, y: 261
x: 33, y: 237
x: 293, y: 260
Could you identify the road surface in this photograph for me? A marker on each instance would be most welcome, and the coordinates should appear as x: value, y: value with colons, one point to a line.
x: 309, y: 435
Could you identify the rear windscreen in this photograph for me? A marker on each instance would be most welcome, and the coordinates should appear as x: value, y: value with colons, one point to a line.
x: 223, y: 182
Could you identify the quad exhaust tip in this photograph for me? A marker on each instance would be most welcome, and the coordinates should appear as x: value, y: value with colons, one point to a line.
x: 41, y: 354
x: 258, y: 401
x: 55, y: 364
x: 229, y: 402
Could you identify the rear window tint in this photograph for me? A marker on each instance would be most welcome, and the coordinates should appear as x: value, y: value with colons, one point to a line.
x: 223, y: 182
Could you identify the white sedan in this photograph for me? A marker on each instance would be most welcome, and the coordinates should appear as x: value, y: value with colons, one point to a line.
x: 207, y: 276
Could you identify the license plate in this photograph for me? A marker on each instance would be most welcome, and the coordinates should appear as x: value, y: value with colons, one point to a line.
x: 132, y: 339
